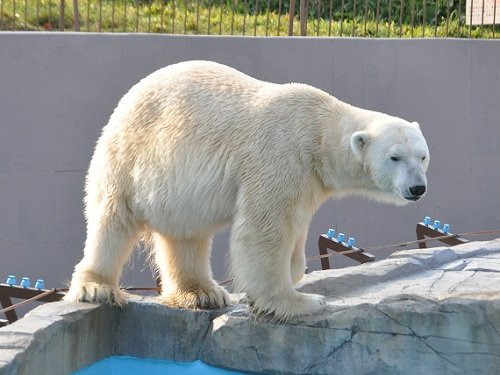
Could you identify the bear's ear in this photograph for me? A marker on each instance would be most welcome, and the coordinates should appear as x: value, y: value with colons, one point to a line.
x: 359, y: 140
x: 416, y: 124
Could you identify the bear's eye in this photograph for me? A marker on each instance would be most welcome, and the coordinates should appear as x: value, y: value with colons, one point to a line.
x: 423, y: 158
x: 395, y: 158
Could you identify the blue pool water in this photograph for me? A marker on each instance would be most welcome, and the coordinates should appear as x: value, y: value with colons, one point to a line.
x: 134, y: 366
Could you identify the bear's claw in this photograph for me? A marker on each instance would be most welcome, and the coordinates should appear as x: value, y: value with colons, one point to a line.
x: 283, y: 309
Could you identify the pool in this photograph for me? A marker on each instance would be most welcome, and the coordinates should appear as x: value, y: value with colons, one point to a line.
x: 118, y: 365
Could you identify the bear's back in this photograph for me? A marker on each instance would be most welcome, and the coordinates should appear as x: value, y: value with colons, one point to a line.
x: 198, y: 92
x: 208, y: 107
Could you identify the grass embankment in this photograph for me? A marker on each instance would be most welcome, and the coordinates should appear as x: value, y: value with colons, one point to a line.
x: 226, y: 18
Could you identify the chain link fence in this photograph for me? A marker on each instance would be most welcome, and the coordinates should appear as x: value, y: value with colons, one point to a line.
x: 360, y: 18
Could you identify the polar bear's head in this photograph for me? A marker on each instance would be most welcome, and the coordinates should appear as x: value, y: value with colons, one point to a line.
x: 395, y: 157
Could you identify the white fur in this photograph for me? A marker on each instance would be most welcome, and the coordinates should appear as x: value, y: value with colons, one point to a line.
x: 197, y: 146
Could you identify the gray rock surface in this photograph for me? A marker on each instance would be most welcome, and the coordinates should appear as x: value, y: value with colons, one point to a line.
x: 178, y: 334
x: 57, y: 338
x: 422, y: 311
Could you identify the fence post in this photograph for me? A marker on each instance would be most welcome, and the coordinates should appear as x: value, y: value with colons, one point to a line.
x: 292, y: 16
x: 61, y: 15
x: 303, y: 17
x: 76, y: 15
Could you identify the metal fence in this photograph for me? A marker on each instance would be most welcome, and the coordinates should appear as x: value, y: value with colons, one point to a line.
x: 366, y: 18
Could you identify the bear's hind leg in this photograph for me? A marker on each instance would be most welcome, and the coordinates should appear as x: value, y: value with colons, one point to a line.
x: 111, y: 236
x: 186, y: 275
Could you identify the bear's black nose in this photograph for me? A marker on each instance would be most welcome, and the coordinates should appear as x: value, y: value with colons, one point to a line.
x: 417, y: 190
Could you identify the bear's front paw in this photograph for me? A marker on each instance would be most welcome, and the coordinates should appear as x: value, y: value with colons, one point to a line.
x: 289, y: 306
x: 212, y: 297
x: 94, y: 292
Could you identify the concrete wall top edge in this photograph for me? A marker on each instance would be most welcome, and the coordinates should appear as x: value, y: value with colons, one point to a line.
x: 249, y: 38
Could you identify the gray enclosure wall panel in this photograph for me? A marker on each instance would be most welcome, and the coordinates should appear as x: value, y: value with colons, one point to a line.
x: 58, y: 90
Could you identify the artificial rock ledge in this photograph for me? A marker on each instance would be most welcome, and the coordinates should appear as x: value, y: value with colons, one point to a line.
x: 419, y: 312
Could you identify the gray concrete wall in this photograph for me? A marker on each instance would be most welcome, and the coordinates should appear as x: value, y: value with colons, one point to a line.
x: 58, y: 90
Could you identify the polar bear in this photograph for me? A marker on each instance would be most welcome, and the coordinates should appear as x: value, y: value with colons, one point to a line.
x: 197, y: 146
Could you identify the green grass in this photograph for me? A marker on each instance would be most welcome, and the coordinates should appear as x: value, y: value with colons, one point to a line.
x: 225, y: 18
